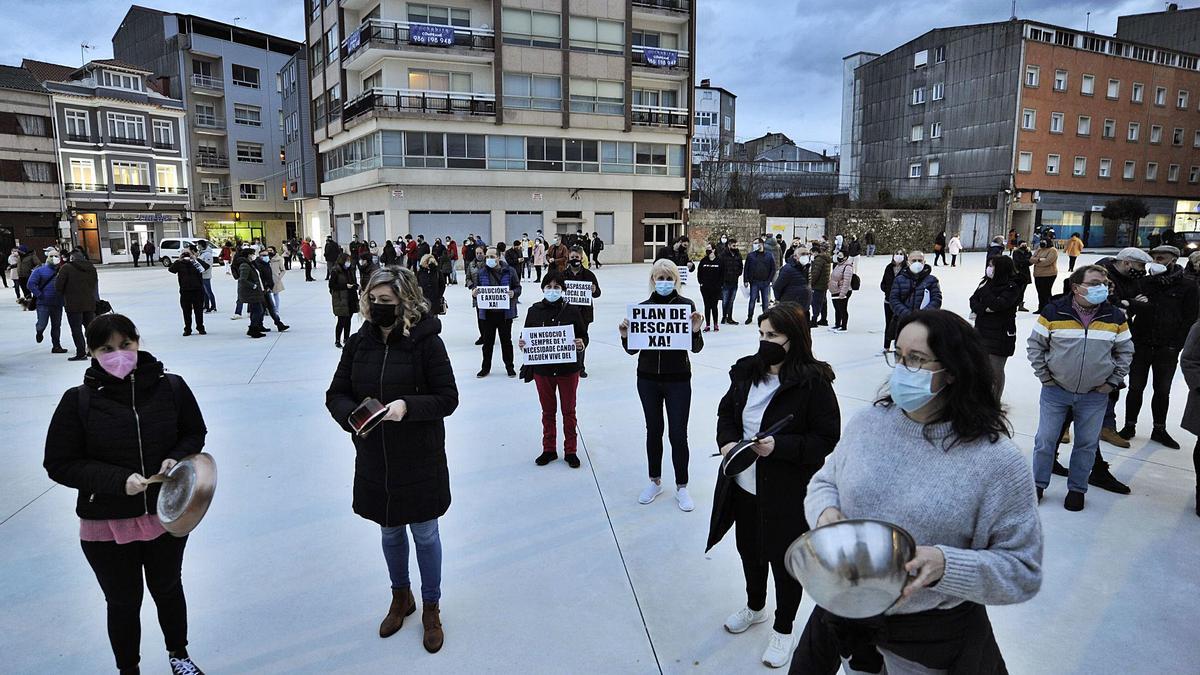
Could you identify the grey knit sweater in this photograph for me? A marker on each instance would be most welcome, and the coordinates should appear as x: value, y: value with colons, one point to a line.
x: 975, y: 502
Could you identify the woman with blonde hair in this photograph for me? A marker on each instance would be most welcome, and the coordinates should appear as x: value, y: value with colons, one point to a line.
x: 664, y: 379
x: 401, y: 480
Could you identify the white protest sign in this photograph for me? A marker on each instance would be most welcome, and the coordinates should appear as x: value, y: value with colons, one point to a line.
x: 578, y: 293
x: 550, y: 344
x: 658, y: 327
x: 683, y: 274
x: 491, y: 297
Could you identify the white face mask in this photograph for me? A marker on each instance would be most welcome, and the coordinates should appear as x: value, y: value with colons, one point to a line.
x: 805, y: 259
x: 916, y: 267
x: 990, y: 272
x: 1155, y: 268
x: 898, y: 258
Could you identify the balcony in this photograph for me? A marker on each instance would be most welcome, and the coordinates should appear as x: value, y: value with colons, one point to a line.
x: 83, y: 138
x: 375, y: 37
x: 656, y: 62
x: 205, y: 161
x: 86, y: 187
x: 209, y: 124
x: 657, y: 116
x: 212, y: 201
x: 132, y: 187
x: 381, y: 101
x: 119, y: 140
x: 677, y: 11
x: 204, y: 84
x: 164, y: 145
x: 172, y: 190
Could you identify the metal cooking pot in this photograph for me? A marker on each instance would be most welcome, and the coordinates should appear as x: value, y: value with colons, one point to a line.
x: 187, y: 490
x: 852, y: 568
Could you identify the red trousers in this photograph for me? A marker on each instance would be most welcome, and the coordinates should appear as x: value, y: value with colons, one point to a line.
x: 566, y: 385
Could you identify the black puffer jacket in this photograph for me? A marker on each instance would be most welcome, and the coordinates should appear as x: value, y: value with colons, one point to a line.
x: 1173, y: 308
x: 666, y: 365
x: 400, y: 473
x: 77, y: 284
x: 1023, y: 261
x: 995, y: 307
x: 781, y: 479
x: 1124, y: 289
x: 190, y: 273
x: 792, y: 284
x: 98, y: 455
x: 556, y: 314
x: 731, y: 268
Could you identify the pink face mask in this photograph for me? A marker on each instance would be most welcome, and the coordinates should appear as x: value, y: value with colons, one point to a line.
x: 119, y: 363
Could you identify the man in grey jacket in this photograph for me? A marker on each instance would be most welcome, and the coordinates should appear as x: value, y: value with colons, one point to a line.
x: 205, y: 254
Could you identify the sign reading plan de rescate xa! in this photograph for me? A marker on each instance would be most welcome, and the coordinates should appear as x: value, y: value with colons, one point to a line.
x: 659, y: 326
x: 550, y: 344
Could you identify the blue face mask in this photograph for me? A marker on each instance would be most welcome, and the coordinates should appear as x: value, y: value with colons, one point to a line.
x: 491, y: 262
x: 552, y: 295
x: 664, y: 288
x: 1097, y: 294
x: 911, y: 391
x: 265, y: 258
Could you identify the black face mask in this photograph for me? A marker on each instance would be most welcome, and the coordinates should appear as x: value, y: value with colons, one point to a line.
x: 383, y: 316
x: 771, y: 353
x: 576, y: 263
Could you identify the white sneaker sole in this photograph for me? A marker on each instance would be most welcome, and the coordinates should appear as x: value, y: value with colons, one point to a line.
x: 752, y: 623
x: 643, y: 500
x: 685, y: 509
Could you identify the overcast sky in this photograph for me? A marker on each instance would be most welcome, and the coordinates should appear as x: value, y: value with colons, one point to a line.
x: 783, y: 58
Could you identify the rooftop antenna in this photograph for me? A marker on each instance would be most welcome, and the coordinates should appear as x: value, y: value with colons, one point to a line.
x: 1014, y: 10
x: 237, y: 19
x: 83, y: 47
x: 1087, y: 26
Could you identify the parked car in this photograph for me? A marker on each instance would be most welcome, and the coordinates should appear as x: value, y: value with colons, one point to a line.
x: 168, y: 249
x: 1190, y: 241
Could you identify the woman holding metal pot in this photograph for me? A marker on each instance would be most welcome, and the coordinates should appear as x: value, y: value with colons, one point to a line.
x: 765, y: 503
x: 128, y: 421
x: 933, y: 456
x: 400, y: 477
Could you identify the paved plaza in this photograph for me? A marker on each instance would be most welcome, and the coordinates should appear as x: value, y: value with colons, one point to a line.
x: 547, y: 570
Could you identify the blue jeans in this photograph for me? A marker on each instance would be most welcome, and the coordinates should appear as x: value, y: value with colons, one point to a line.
x: 758, y: 289
x: 1088, y: 409
x: 677, y: 398
x: 728, y: 296
x: 208, y: 293
x: 819, y: 307
x: 50, y: 313
x: 429, y: 557
x: 870, y: 249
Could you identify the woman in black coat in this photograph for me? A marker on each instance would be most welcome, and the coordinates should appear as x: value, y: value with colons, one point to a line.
x: 433, y: 283
x: 899, y: 262
x: 400, y: 475
x: 995, y: 306
x: 128, y: 421
x: 556, y: 380
x: 343, y: 294
x: 766, y: 501
x: 1022, y: 259
x: 711, y: 278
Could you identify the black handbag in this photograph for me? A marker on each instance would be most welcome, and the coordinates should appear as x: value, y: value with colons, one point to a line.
x: 103, y: 307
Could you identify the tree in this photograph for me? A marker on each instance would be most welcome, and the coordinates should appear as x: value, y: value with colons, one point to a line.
x: 1125, y: 210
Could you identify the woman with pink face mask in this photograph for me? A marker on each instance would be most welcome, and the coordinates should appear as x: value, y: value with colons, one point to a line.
x: 128, y: 421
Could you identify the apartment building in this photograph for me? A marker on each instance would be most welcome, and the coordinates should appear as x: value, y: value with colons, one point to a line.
x: 230, y: 81
x: 1173, y: 29
x: 715, y: 128
x: 1027, y: 124
x: 299, y: 153
x: 504, y: 117
x: 30, y: 192
x: 122, y: 159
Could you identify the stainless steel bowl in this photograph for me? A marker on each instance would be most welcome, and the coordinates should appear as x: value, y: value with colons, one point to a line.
x: 852, y: 568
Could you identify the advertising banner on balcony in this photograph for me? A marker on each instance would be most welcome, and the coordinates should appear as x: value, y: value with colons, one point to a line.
x: 428, y: 34
x: 354, y: 41
x: 661, y: 58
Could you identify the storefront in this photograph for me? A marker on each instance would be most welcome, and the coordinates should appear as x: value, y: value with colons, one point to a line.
x: 112, y: 236
x: 221, y: 231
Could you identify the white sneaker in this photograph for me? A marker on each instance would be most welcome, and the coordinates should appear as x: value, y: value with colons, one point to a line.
x: 652, y: 490
x: 684, y: 499
x: 779, y: 650
x: 741, y: 620
x: 235, y: 317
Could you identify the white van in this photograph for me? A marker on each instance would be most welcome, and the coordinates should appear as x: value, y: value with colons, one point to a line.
x: 168, y: 249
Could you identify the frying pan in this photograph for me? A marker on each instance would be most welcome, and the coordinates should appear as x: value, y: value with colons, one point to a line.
x: 741, y: 456
x: 187, y: 490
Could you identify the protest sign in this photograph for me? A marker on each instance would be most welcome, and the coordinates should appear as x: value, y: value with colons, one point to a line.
x: 683, y: 274
x: 492, y: 297
x: 658, y: 327
x: 578, y: 293
x: 549, y: 344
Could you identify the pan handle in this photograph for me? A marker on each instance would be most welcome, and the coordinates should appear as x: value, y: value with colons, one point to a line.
x: 774, y: 428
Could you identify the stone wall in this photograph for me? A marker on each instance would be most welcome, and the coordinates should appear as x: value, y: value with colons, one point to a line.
x: 707, y: 225
x: 894, y: 228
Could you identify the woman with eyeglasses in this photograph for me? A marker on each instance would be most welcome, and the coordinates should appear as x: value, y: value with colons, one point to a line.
x: 995, y: 304
x: 765, y: 503
x: 951, y: 476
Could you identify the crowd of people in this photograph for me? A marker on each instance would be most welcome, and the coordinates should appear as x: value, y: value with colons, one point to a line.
x: 951, y: 475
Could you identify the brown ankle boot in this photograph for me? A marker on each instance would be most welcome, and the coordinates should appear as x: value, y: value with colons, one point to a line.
x: 402, y: 605
x: 432, y: 619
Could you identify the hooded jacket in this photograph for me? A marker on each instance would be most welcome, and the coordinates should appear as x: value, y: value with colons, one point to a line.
x: 400, y: 472
x: 995, y: 306
x: 1075, y: 357
x: 666, y: 365
x: 343, y: 291
x: 131, y: 426
x: 78, y: 284
x: 251, y: 285
x: 908, y: 292
x: 819, y: 271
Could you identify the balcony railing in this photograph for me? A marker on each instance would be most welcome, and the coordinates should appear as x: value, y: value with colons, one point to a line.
x: 216, y: 200
x: 164, y: 145
x: 130, y: 187
x: 172, y: 190
x: 86, y: 187
x: 207, y: 82
x: 657, y: 116
x: 210, y: 122
x: 661, y: 59
x: 396, y: 34
x: 416, y: 101
x: 670, y: 5
x: 118, y: 140
x: 82, y: 138
x: 212, y: 161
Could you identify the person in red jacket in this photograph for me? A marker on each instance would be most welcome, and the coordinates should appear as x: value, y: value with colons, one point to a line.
x: 306, y: 258
x: 410, y: 251
x: 452, y: 251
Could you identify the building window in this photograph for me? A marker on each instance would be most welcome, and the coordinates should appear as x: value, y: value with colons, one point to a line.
x: 168, y: 178
x: 424, y: 149
x: 656, y: 98
x: 439, y: 16
x: 939, y: 91
x: 597, y: 35
x: 939, y: 54
x: 544, y: 154
x: 1105, y: 168
x: 1110, y: 129
x: 935, y: 167
x: 1029, y: 119
x: 532, y: 29
x: 538, y: 92
x: 1181, y: 99
x: 616, y: 157
x: 333, y: 102
x: 136, y: 174
x: 935, y: 130
x: 917, y: 133
x: 651, y: 158
x: 252, y: 191
x: 728, y: 123
x: 1139, y: 91
x: 1173, y: 173
x: 1135, y: 130
x: 582, y: 156
x: 245, y: 76
x: 508, y: 152
x: 1056, y: 122
x: 164, y: 134
x: 1196, y: 139
x: 316, y: 10
x: 601, y: 97
x: 1151, y: 171
x: 1087, y: 85
x: 83, y: 173
x: 1114, y: 89
x: 249, y: 152
x: 78, y: 126
x: 647, y: 38
x: 438, y: 80
x: 1130, y: 169
x: 1025, y: 162
x: 1177, y: 137
x: 914, y: 170
x: 249, y: 115
x: 1052, y: 162
x: 920, y: 59
x: 35, y: 172
x: 1160, y: 96
x: 1156, y: 132
x: 316, y: 56
x: 466, y: 151
x: 918, y: 96
x: 332, y: 44
x: 1080, y: 166
x: 120, y: 80
x: 126, y: 128
x: 1032, y: 75
x: 1084, y: 127
x: 1194, y: 175
x: 1060, y: 80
